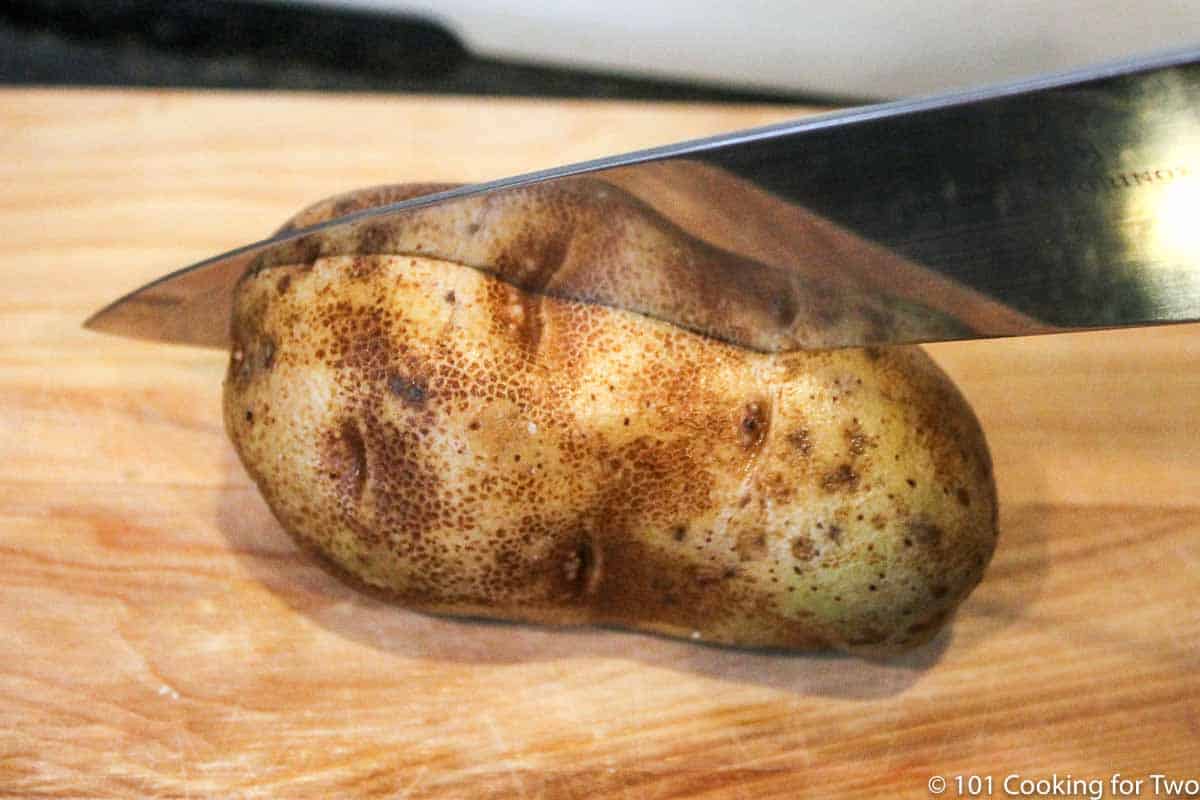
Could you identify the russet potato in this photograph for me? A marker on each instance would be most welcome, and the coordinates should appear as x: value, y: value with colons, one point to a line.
x: 465, y: 446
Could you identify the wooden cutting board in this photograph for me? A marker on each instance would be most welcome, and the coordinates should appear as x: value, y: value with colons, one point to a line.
x: 160, y: 636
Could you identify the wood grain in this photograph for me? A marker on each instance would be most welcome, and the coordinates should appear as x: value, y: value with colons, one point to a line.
x: 161, y: 637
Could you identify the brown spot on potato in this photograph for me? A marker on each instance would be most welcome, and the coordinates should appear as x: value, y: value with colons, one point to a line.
x: 926, y: 533
x: 801, y: 440
x: 842, y: 479
x: 751, y: 545
x: 346, y: 461
x: 363, y: 267
x: 284, y: 282
x: 707, y: 575
x: 413, y: 391
x: 964, y: 497
x: 857, y: 442
x: 803, y: 549
x: 582, y: 567
x: 753, y: 424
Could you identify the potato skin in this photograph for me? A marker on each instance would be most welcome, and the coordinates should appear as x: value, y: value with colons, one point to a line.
x: 469, y: 448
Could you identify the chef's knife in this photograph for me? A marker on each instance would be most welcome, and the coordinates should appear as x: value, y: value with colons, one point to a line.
x: 1061, y: 203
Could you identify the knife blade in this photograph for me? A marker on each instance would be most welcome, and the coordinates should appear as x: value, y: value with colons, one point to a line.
x: 1064, y: 202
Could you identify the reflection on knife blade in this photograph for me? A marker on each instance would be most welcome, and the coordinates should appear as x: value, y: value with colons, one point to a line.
x: 630, y: 241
